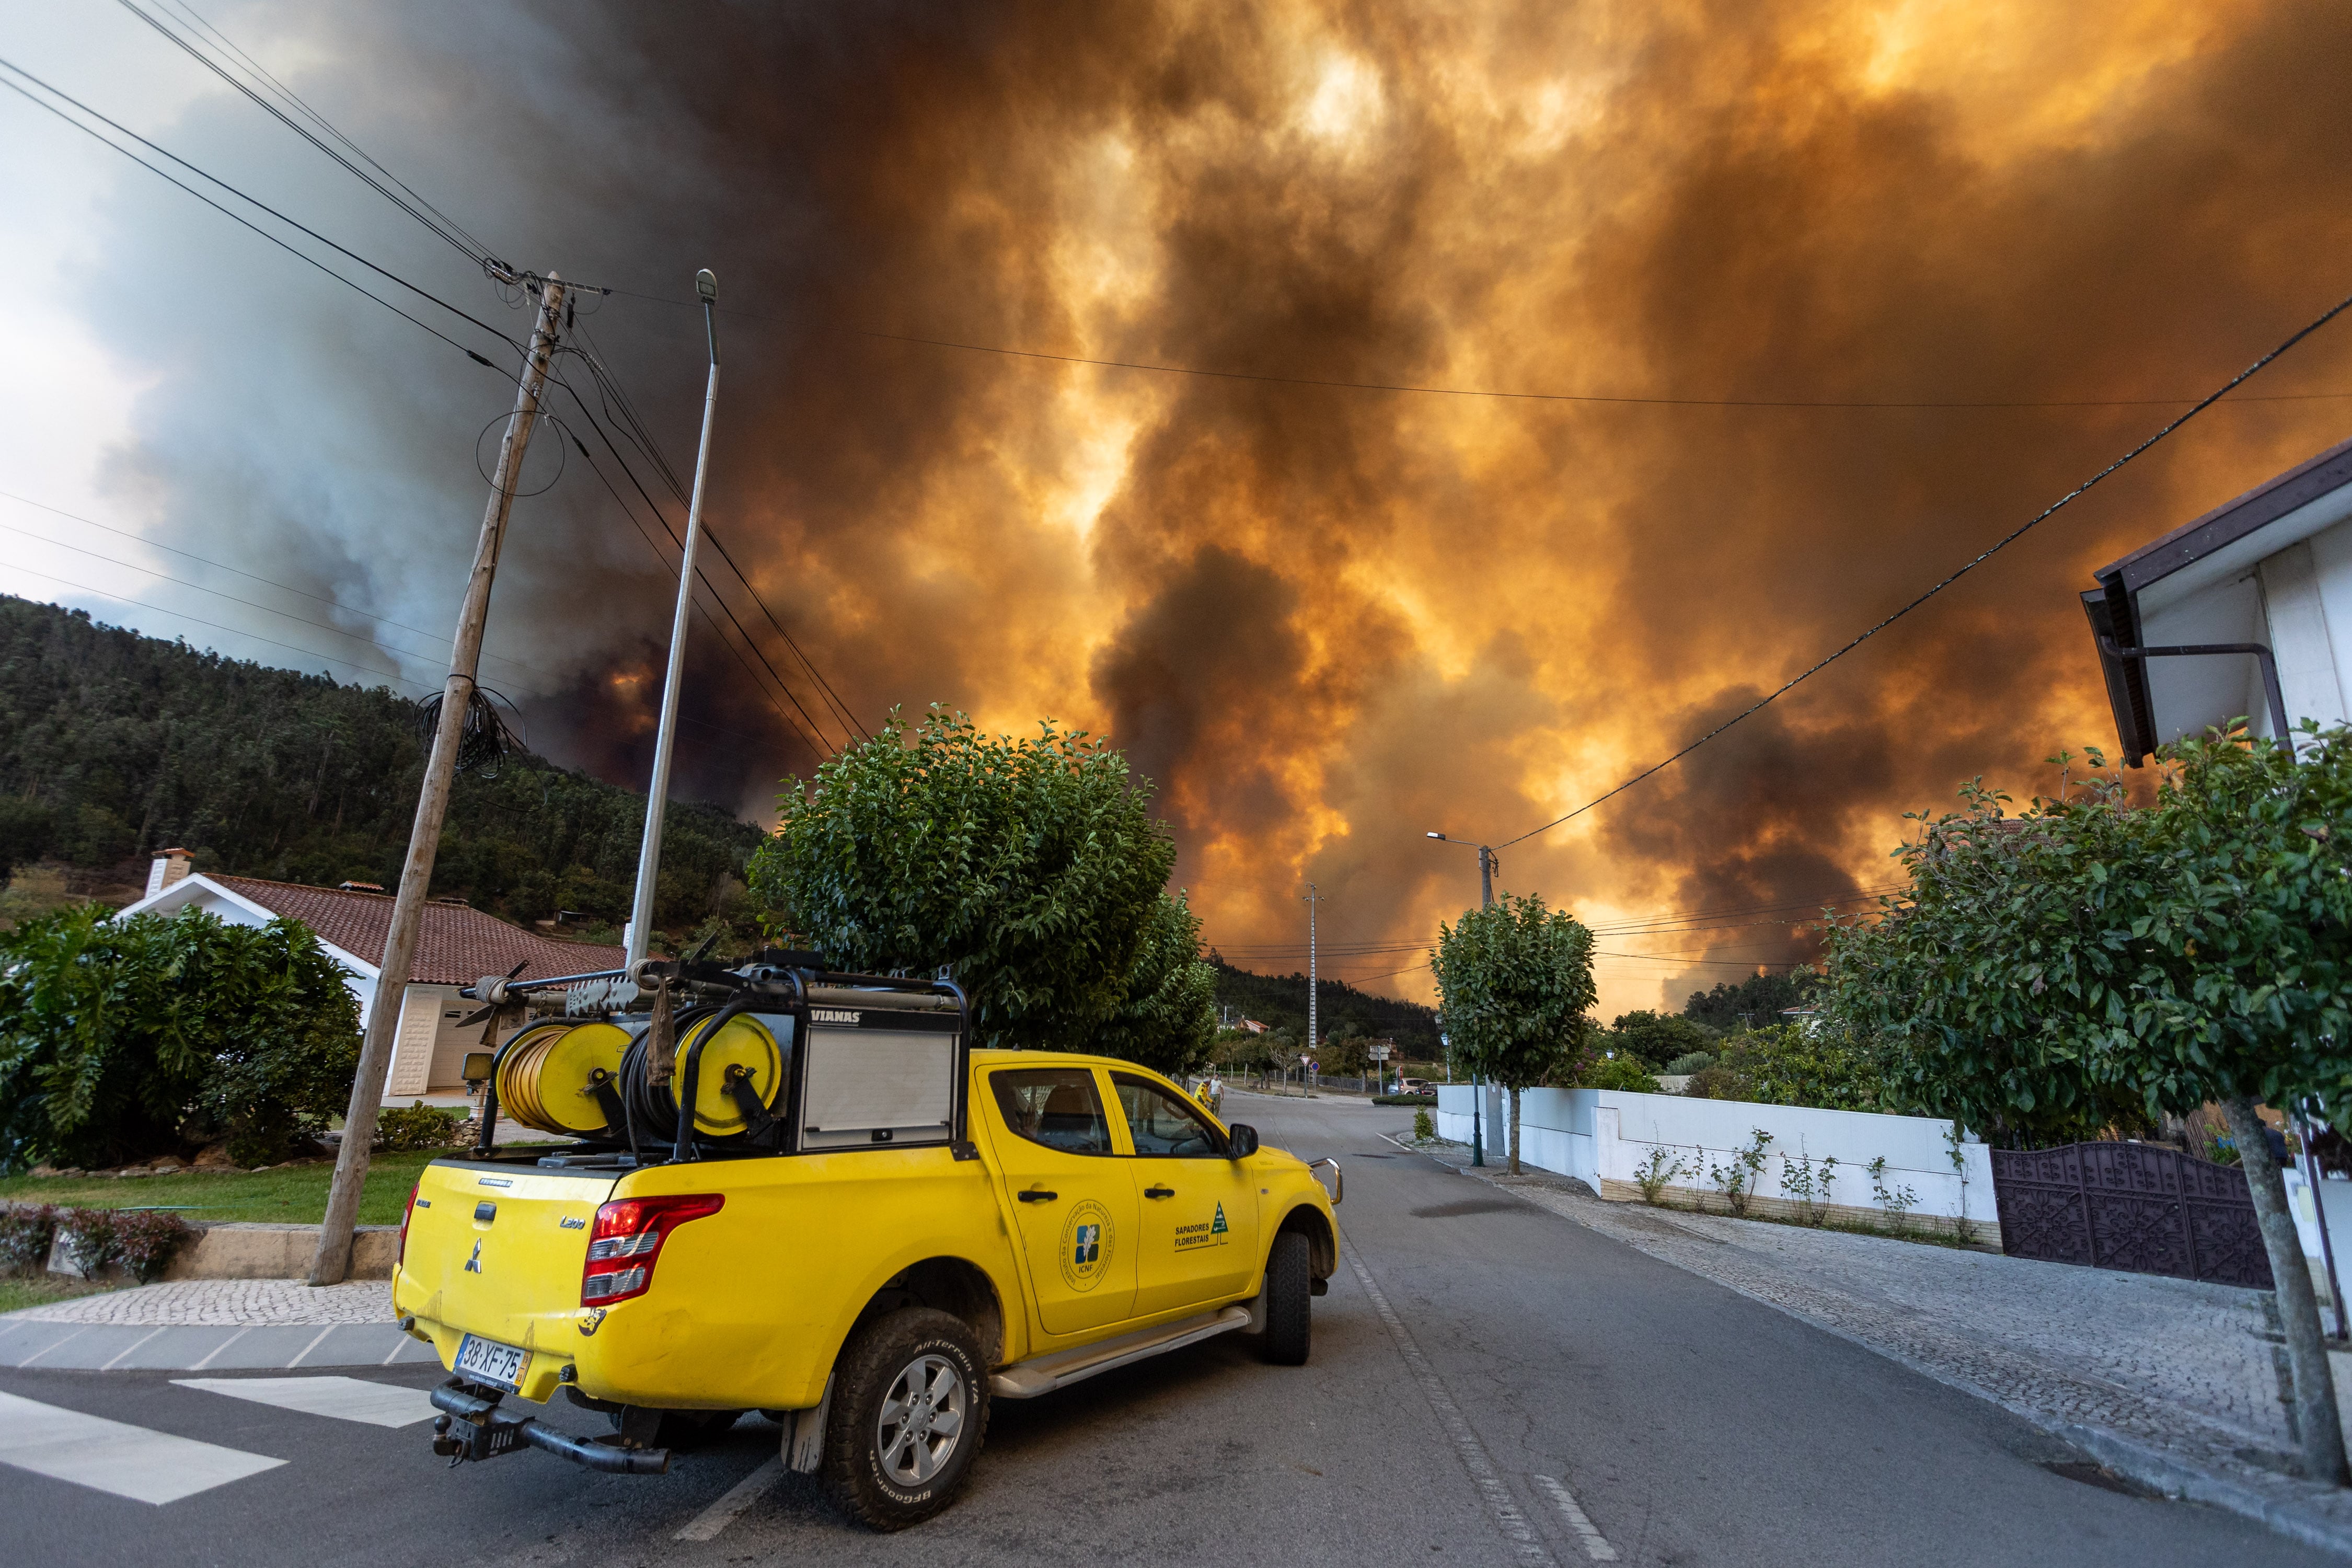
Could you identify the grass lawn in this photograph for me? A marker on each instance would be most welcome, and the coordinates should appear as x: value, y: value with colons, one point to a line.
x: 40, y: 1291
x: 296, y: 1195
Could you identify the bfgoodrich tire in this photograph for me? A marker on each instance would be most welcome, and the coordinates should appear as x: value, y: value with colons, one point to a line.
x: 909, y: 1411
x: 1289, y: 1288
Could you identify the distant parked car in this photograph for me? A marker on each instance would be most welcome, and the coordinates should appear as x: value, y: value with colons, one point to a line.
x: 1411, y: 1085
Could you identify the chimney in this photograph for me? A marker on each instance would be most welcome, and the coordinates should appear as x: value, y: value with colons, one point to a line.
x: 170, y: 866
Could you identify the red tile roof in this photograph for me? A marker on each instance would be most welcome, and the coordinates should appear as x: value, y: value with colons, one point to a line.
x: 456, y: 946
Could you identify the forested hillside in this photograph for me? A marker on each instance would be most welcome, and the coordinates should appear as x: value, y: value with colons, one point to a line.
x: 1280, y: 1000
x: 113, y: 745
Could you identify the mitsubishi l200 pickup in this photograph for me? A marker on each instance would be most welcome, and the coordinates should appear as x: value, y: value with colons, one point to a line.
x: 835, y: 1212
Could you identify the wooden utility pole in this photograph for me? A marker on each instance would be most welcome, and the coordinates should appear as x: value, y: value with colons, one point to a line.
x: 333, y: 1261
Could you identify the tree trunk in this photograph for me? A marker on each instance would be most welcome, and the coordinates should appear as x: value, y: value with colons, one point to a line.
x: 1514, y: 1137
x: 2314, y: 1385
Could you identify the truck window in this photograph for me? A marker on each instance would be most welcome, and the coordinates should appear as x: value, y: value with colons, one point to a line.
x: 1053, y: 1106
x: 1163, y: 1123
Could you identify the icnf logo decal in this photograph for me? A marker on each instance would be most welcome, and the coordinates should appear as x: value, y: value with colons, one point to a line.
x: 1086, y: 1242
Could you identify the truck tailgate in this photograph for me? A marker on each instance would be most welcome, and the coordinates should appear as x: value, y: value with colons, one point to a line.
x: 497, y: 1250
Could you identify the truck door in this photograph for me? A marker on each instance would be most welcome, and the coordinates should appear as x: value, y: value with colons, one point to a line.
x: 1199, y: 1209
x: 1071, y: 1196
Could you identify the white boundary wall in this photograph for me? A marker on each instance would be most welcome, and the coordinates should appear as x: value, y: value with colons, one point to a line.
x: 1602, y: 1137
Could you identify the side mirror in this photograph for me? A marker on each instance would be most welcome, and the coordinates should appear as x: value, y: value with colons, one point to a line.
x: 1241, y: 1141
x: 476, y: 1067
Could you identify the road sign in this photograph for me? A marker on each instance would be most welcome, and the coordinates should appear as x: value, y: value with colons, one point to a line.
x: 1381, y: 1053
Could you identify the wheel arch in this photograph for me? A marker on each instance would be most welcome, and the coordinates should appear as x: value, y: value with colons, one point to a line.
x: 955, y: 1286
x: 1322, y: 1245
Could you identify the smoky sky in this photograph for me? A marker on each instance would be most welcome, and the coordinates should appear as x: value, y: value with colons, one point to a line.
x: 1324, y: 621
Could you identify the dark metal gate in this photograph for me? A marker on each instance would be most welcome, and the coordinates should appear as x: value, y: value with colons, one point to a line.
x: 2136, y: 1207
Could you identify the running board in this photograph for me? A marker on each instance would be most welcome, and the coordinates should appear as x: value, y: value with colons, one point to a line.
x: 1047, y: 1373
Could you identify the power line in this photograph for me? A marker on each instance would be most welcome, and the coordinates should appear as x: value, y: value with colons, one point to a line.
x: 816, y: 748
x: 822, y: 745
x: 237, y: 631
x: 223, y: 566
x: 416, y: 206
x: 1158, y: 368
x: 164, y: 174
x: 2002, y: 544
x: 640, y: 436
x: 217, y: 592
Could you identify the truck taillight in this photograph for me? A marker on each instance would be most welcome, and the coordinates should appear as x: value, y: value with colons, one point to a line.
x: 400, y: 1254
x: 627, y: 1241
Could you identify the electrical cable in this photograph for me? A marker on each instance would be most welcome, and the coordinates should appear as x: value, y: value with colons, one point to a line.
x: 256, y: 69
x: 421, y: 211
x: 816, y: 748
x: 1161, y: 368
x: 700, y: 576
x: 608, y: 386
x: 223, y: 566
x: 238, y: 631
x: 164, y: 174
x: 232, y: 598
x: 1988, y: 553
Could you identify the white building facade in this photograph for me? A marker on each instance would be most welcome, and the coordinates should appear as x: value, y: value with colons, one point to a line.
x: 458, y: 945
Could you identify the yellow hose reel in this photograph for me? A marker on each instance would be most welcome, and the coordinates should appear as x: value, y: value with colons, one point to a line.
x: 742, y: 1048
x: 548, y: 1077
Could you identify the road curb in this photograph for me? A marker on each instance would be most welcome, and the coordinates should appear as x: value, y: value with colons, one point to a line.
x: 2301, y: 1511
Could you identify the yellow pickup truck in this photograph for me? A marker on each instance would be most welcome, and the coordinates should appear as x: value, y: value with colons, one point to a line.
x: 864, y: 1229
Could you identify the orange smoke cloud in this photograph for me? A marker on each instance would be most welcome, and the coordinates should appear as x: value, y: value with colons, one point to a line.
x: 1327, y: 620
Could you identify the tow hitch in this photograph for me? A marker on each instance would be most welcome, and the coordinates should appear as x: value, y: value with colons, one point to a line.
x: 472, y: 1426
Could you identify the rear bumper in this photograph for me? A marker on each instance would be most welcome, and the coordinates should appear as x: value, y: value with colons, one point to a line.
x: 472, y: 1427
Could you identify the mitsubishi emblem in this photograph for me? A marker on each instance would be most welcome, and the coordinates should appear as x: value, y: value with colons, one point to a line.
x: 473, y: 1264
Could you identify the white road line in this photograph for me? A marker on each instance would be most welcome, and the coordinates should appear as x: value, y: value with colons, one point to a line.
x: 220, y: 1347
x: 738, y: 1496
x: 1466, y: 1446
x: 113, y: 1457
x: 1596, y: 1546
x: 52, y: 1345
x: 128, y: 1348
x: 305, y: 1350
x: 344, y: 1398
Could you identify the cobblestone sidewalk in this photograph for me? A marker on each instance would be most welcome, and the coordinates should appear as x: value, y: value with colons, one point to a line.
x: 2174, y: 1384
x: 225, y: 1303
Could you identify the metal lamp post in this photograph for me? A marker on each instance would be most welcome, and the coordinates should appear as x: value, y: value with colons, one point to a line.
x: 1487, y: 901
x: 641, y: 910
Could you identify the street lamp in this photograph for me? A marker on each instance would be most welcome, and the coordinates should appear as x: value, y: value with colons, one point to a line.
x: 1487, y: 901
x: 640, y: 930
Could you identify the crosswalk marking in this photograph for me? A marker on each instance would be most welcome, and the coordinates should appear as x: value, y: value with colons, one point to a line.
x: 344, y: 1398
x: 113, y: 1457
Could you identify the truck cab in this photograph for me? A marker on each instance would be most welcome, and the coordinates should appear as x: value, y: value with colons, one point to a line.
x: 871, y: 1245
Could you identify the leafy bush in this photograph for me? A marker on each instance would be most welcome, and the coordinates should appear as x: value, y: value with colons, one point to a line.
x: 1425, y: 1126
x: 419, y: 1126
x: 1621, y: 1072
x: 1031, y: 870
x: 123, y: 1039
x: 1789, y: 1064
x: 146, y: 1240
x: 1720, y: 1083
x: 1657, y: 1037
x: 1683, y: 1066
x: 91, y: 1243
x: 27, y: 1235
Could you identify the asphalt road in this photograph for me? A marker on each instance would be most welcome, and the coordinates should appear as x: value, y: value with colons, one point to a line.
x: 1526, y: 1376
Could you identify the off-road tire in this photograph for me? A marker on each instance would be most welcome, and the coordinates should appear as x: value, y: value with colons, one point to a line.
x: 1289, y: 1291
x: 870, y: 1367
